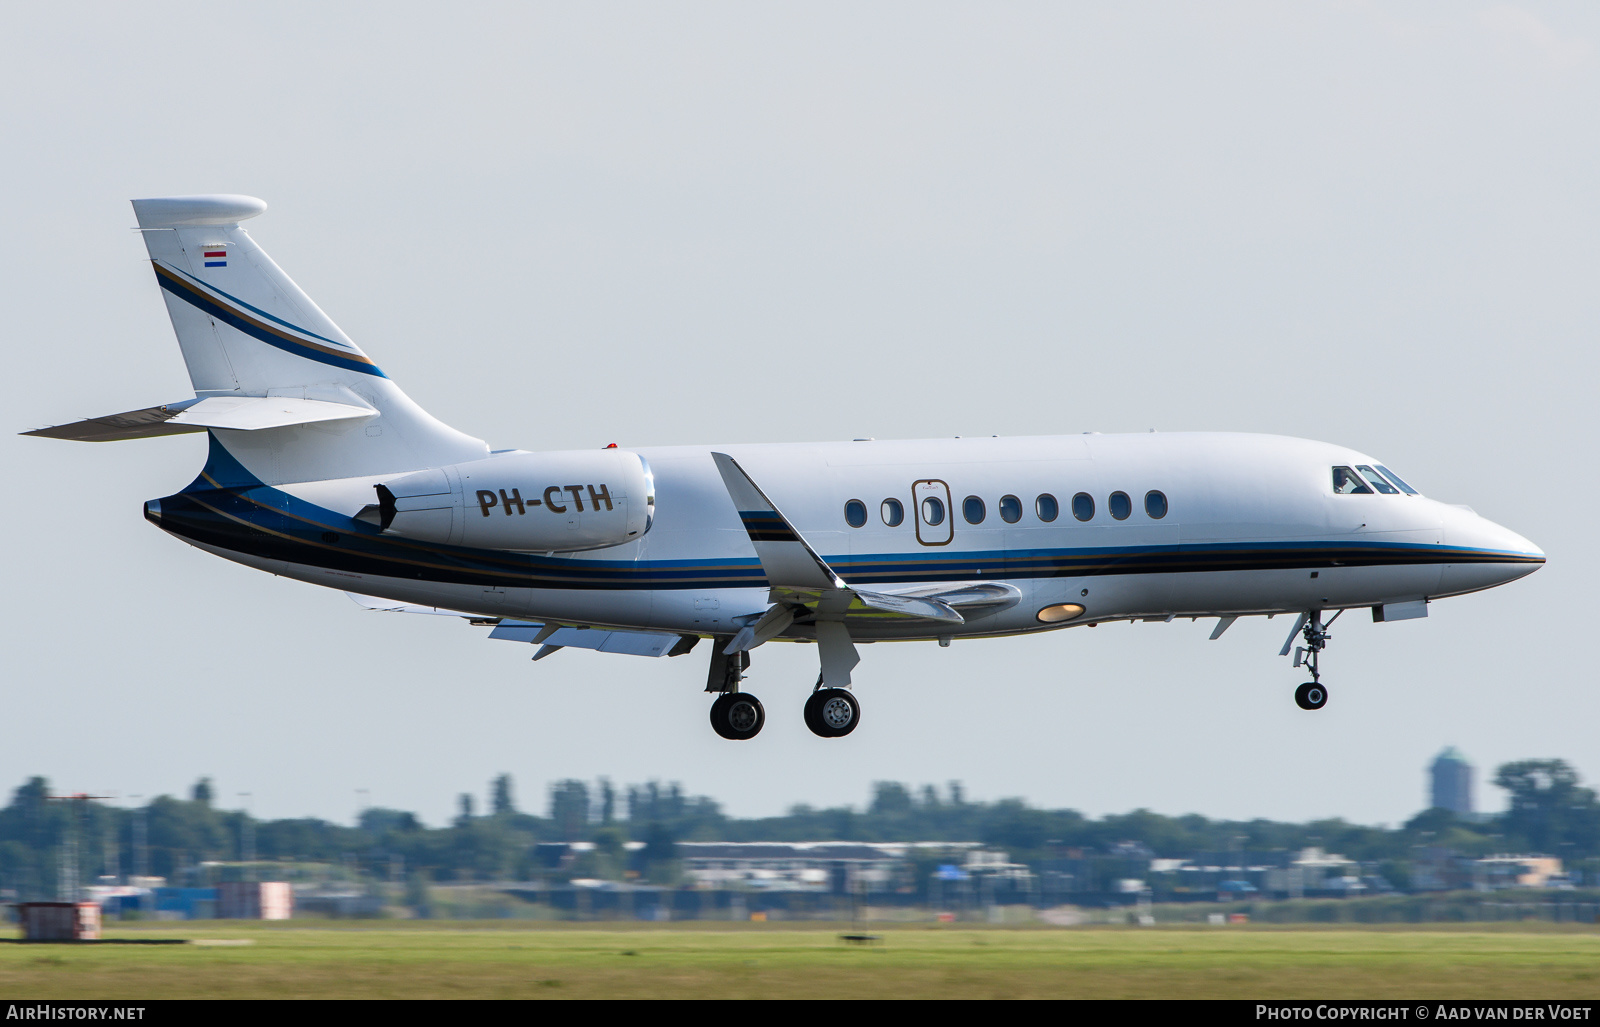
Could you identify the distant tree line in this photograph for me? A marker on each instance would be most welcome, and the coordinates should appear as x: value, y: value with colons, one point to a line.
x: 41, y: 837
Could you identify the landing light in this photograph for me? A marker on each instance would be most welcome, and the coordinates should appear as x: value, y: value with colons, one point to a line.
x: 1060, y: 612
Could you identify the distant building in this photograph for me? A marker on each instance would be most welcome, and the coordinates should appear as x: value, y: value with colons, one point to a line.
x: 838, y: 867
x: 1518, y: 871
x: 59, y: 921
x: 254, y: 900
x: 1442, y: 869
x: 1451, y: 777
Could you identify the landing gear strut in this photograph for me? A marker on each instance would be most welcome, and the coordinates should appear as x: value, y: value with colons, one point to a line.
x: 1313, y: 695
x: 727, y: 669
x: 735, y: 715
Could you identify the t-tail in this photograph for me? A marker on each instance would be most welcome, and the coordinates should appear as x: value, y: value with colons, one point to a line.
x: 286, y: 393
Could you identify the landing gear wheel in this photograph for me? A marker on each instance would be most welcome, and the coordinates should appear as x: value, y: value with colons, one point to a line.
x: 811, y: 720
x: 737, y: 716
x: 1312, y: 695
x: 832, y: 712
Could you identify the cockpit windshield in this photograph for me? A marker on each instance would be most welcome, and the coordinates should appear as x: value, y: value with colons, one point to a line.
x: 1377, y: 480
x: 1367, y: 480
x: 1407, y: 489
x: 1347, y: 482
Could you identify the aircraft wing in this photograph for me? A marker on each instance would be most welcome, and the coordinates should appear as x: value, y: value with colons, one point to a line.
x: 396, y: 606
x: 951, y: 604
x: 802, y: 583
x: 786, y: 557
x: 551, y: 637
x: 856, y: 602
x: 631, y: 643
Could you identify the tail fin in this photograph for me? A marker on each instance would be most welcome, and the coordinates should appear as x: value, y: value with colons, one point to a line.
x: 247, y: 330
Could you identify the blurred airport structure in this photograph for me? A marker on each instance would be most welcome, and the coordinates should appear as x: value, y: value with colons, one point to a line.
x: 652, y: 852
x: 1451, y: 781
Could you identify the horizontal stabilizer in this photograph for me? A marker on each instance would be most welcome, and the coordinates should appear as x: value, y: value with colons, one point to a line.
x: 632, y: 643
x: 240, y: 413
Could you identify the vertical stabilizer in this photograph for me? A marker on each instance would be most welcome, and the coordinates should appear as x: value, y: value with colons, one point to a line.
x: 246, y: 329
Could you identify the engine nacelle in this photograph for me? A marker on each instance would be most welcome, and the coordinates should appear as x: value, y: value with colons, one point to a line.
x: 524, y: 502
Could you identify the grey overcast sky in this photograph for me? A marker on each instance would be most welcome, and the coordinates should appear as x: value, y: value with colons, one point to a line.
x: 1371, y: 224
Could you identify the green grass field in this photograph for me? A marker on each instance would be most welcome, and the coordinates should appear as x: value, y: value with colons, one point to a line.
x: 508, y: 959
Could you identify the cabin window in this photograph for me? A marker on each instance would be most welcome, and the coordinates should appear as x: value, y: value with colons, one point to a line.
x: 972, y: 509
x: 1348, y: 483
x: 1155, y: 505
x: 1377, y: 480
x: 1121, y: 506
x: 1407, y: 489
x: 932, y: 511
x: 1046, y: 507
x: 893, y: 513
x: 1010, y: 509
x: 1083, y: 506
x: 855, y: 513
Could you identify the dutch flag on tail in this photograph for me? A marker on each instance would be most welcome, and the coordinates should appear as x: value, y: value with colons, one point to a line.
x: 216, y: 258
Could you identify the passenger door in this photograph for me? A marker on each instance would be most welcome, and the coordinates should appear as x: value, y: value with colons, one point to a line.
x: 934, y: 517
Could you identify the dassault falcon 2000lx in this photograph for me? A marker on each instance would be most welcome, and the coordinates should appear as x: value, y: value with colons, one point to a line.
x: 321, y: 469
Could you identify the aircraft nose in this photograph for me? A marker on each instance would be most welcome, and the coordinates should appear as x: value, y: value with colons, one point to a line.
x: 1485, y: 554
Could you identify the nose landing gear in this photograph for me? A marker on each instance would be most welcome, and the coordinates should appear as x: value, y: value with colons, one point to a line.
x: 1313, y: 695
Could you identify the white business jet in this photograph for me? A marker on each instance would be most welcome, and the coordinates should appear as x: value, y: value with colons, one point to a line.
x: 321, y: 469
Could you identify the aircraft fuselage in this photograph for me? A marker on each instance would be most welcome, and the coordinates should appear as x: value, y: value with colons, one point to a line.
x: 1249, y: 524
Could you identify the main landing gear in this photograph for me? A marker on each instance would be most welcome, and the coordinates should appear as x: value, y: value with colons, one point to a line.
x: 830, y: 712
x: 737, y: 716
x: 1313, y: 695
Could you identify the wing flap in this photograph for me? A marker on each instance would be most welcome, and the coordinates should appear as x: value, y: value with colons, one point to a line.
x: 628, y: 643
x: 551, y: 637
x: 396, y: 606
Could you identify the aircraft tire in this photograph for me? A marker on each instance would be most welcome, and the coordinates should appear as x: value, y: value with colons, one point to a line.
x: 812, y: 723
x: 1311, y: 696
x: 832, y: 712
x: 719, y: 711
x: 737, y: 716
